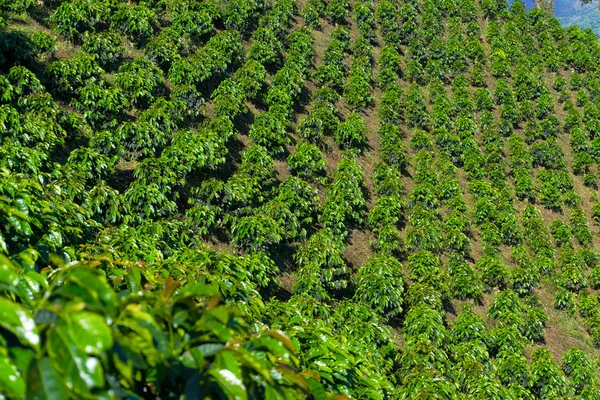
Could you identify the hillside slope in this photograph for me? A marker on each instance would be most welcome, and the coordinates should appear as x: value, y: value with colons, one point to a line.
x: 298, y: 199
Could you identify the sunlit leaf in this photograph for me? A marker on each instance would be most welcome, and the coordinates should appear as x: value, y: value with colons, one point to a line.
x: 17, y: 320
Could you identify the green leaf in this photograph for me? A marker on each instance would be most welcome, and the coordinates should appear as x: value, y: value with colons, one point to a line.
x: 259, y: 366
x: 316, y: 388
x: 283, y: 338
x: 81, y: 372
x: 228, y: 374
x: 43, y: 382
x: 10, y: 379
x: 92, y: 332
x: 95, y: 285
x: 209, y: 349
x: 196, y: 290
x: 146, y: 322
x: 133, y: 277
x: 3, y: 245
x: 294, y: 377
x: 26, y: 259
x: 21, y: 357
x: 272, y: 394
x: 30, y: 285
x: 218, y: 328
x: 9, y: 274
x: 17, y: 320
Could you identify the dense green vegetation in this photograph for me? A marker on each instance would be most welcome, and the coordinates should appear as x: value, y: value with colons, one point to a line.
x: 320, y: 199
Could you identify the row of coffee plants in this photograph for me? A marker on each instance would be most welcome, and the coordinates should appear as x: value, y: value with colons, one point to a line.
x: 125, y: 154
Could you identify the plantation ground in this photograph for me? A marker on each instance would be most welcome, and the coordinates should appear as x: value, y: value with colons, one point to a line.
x: 394, y: 198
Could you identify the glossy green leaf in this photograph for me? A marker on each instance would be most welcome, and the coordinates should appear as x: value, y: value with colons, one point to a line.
x: 230, y: 384
x: 17, y: 320
x: 316, y: 388
x: 26, y: 259
x: 11, y: 382
x: 92, y: 332
x: 81, y: 372
x: 272, y: 394
x: 294, y: 377
x: 95, y: 285
x: 8, y: 272
x: 43, y: 382
x: 133, y: 277
x: 31, y: 283
x: 21, y: 357
x: 217, y: 327
x: 228, y: 375
x: 209, y: 349
x: 283, y: 338
x: 3, y: 245
x: 250, y: 360
x: 196, y: 290
x: 145, y: 321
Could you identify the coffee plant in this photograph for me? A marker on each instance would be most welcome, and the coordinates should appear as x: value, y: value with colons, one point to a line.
x: 298, y: 200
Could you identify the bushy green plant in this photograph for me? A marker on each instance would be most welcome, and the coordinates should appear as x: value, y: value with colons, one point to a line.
x: 524, y: 280
x: 351, y: 134
x: 101, y: 106
x: 74, y: 18
x: 265, y: 48
x: 513, y: 369
x: 580, y: 227
x: 336, y: 11
x: 550, y: 196
x: 189, y: 96
x: 307, y: 162
x: 140, y: 139
x: 139, y: 80
x: 464, y: 280
x: 380, y: 284
x: 422, y: 321
x: 594, y: 277
x: 193, y: 23
x: 560, y: 232
x: 68, y: 76
x: 590, y: 180
x: 312, y: 11
x: 579, y: 368
x: 269, y: 129
x: 322, y: 265
x: 344, y: 200
x: 137, y: 22
x: 493, y: 272
x: 386, y: 212
x: 221, y: 50
x: 564, y: 300
x: 165, y: 48
x: 44, y: 42
x: 547, y: 379
x: 69, y: 357
x: 106, y: 46
x: 392, y: 148
x: 357, y: 91
x: 256, y: 232
x: 425, y: 268
x: 468, y: 327
x: 572, y: 276
x: 321, y: 121
x: 587, y: 305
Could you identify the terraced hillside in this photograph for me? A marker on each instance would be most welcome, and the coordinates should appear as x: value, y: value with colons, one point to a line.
x: 238, y: 199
